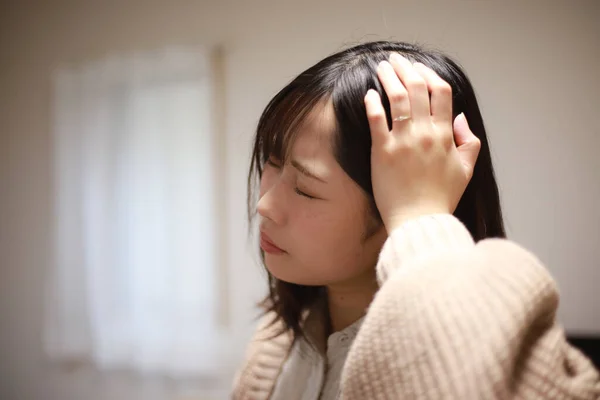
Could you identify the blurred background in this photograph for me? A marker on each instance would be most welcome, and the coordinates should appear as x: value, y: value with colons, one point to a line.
x: 125, y: 132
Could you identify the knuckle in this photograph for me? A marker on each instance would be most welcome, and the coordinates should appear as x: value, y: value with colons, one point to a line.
x: 404, y: 150
x: 398, y: 148
x: 386, y: 155
x: 426, y: 141
x: 375, y: 115
x: 416, y: 84
x: 397, y: 96
x: 443, y: 87
x: 448, y: 141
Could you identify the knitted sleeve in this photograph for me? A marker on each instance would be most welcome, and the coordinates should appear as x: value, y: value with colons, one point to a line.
x: 459, y: 320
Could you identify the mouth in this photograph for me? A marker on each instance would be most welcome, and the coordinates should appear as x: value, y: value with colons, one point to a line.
x: 268, y: 246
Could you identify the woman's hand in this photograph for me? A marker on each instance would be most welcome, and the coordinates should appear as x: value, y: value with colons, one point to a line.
x: 416, y: 167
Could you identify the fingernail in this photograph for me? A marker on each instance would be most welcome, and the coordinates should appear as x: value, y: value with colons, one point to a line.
x: 395, y: 56
x: 370, y: 94
x: 381, y: 65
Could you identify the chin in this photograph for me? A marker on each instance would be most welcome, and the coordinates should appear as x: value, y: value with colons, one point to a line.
x: 289, y: 273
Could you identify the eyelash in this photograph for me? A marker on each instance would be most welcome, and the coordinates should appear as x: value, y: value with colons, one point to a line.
x: 301, y: 193
x: 273, y: 164
x: 298, y: 191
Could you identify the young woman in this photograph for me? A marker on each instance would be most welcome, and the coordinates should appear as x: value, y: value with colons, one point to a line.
x: 375, y: 198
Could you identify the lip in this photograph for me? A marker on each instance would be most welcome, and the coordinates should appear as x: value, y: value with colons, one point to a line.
x: 268, y: 246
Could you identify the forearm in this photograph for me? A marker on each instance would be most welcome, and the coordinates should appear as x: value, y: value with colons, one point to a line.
x: 458, y: 320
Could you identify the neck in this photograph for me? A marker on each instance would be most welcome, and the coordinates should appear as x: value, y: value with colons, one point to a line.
x: 348, y: 302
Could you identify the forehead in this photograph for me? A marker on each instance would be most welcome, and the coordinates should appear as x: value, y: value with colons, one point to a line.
x: 315, y: 135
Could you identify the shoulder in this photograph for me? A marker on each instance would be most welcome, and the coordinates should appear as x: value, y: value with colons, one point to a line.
x: 505, y: 258
x: 502, y: 266
x: 441, y: 244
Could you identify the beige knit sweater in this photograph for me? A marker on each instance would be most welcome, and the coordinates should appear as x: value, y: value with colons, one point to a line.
x: 452, y: 320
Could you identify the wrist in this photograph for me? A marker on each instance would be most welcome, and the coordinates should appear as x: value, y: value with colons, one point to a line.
x: 399, y: 218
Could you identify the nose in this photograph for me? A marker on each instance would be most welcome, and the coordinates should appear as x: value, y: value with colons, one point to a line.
x: 271, y: 203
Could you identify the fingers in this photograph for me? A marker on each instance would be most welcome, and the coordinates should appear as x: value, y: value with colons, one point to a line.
x: 467, y: 144
x: 408, y: 86
x: 396, y: 92
x: 415, y: 85
x: 376, y: 116
x: 441, y: 94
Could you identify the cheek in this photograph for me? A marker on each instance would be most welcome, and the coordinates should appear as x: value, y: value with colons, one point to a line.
x: 329, y: 232
x: 328, y: 247
x: 325, y: 242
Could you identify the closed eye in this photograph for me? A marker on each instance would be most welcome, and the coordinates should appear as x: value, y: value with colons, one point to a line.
x: 273, y: 163
x: 301, y: 193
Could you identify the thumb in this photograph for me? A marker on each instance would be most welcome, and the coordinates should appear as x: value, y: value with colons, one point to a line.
x: 467, y: 144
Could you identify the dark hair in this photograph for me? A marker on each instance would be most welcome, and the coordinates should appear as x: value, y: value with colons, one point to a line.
x: 344, y: 78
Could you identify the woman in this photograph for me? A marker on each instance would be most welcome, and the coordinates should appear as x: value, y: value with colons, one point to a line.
x: 375, y: 197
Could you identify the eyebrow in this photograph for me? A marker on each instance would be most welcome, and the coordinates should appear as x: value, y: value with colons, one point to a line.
x: 306, y: 171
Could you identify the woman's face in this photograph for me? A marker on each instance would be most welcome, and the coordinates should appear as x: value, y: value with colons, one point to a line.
x: 314, y: 217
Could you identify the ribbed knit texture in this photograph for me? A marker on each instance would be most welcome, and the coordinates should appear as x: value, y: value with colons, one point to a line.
x: 452, y: 320
x: 264, y: 358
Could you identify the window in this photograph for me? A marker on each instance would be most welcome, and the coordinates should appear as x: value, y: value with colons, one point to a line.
x: 135, y: 272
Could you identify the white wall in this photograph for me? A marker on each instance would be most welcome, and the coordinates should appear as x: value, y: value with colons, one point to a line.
x: 535, y: 65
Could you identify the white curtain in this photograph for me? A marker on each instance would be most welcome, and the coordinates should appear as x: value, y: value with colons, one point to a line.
x: 133, y: 278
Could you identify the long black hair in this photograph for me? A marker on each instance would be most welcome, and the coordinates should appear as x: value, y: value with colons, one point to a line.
x: 344, y: 78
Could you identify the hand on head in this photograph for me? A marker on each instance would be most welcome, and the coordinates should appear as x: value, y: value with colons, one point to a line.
x: 423, y: 165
